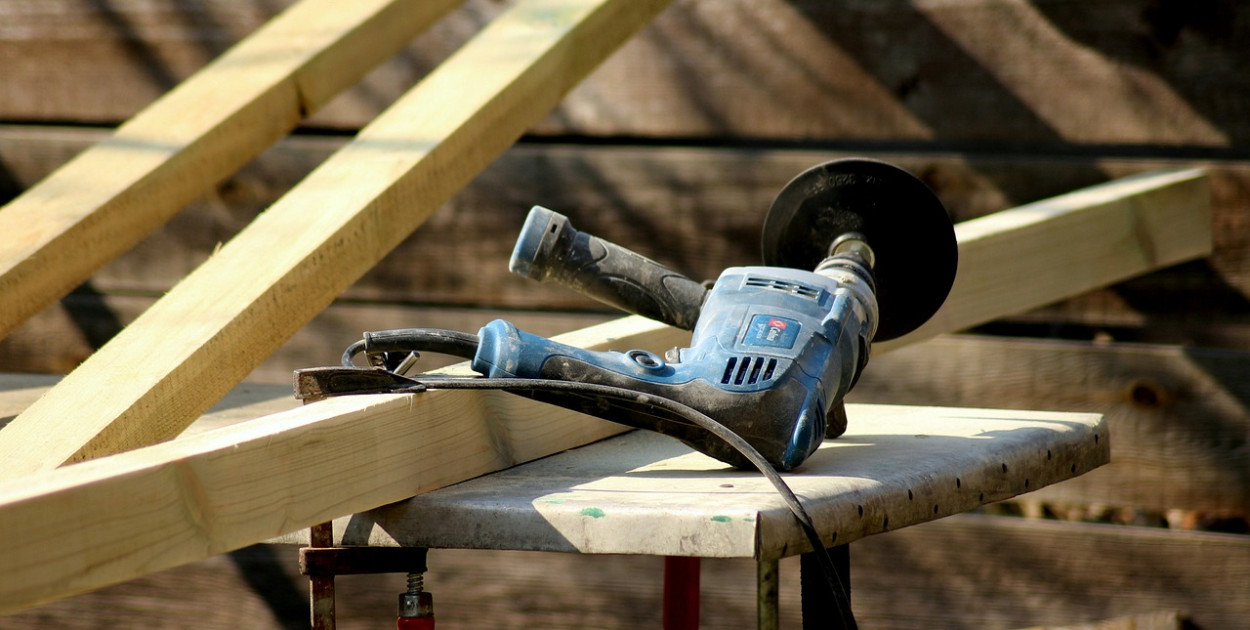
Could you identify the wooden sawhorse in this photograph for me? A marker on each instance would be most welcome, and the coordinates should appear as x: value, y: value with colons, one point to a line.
x: 641, y: 493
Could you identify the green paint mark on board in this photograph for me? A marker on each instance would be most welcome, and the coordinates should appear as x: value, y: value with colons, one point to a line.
x: 593, y: 512
x: 721, y: 519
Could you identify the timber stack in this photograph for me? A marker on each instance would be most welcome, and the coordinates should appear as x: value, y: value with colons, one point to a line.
x: 674, y: 147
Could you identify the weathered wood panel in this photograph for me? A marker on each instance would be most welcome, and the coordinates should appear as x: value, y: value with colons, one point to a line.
x: 57, y: 340
x: 1179, y: 417
x: 696, y: 210
x: 960, y: 572
x: 990, y: 572
x: 1048, y: 72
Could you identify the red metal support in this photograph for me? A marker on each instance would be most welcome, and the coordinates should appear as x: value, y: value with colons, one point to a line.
x: 681, y: 593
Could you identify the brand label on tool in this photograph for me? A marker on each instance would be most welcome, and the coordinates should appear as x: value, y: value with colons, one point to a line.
x: 772, y: 332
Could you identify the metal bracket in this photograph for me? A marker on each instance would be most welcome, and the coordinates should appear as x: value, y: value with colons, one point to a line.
x: 322, y: 562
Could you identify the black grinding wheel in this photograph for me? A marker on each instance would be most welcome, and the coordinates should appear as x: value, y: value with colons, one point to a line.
x: 903, y: 221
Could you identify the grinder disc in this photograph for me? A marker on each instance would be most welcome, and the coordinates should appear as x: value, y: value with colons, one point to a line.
x: 902, y: 220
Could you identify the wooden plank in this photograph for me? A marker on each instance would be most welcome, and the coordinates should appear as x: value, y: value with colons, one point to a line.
x: 1178, y: 414
x: 106, y: 199
x: 1045, y: 73
x: 201, y: 495
x: 150, y: 382
x: 1035, y: 254
x: 995, y: 572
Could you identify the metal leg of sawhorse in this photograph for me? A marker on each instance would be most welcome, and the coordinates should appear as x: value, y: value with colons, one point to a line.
x: 767, y: 594
x: 820, y: 608
x: 681, y: 593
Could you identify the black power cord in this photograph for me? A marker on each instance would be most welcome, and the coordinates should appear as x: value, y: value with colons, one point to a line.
x: 465, y: 345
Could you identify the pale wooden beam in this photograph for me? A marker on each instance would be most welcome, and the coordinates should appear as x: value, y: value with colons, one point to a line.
x: 204, y: 336
x: 1043, y: 252
x: 115, y: 518
x: 109, y: 197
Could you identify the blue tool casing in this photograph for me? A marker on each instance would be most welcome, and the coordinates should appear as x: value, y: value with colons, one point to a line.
x: 772, y: 350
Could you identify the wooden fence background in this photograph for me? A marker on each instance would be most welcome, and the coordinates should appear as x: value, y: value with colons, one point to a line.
x: 675, y: 147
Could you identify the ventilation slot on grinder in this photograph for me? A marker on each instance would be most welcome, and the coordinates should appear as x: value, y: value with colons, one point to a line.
x: 748, y: 370
x: 773, y: 284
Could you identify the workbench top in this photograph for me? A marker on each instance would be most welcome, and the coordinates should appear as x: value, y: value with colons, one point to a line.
x: 641, y: 493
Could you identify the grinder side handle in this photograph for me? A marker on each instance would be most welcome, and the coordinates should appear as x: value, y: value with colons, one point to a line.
x: 550, y: 248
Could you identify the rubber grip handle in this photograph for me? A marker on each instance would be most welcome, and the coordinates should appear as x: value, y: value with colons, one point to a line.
x: 550, y: 248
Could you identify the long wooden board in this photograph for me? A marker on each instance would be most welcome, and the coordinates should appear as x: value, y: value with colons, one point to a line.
x: 202, y: 338
x: 1178, y: 414
x: 112, y: 195
x: 115, y: 518
x: 1013, y: 261
x: 982, y: 72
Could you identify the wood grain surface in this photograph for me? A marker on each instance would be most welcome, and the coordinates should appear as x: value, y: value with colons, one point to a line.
x: 183, y: 500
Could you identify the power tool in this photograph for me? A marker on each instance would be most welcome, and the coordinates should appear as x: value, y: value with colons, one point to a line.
x: 854, y: 250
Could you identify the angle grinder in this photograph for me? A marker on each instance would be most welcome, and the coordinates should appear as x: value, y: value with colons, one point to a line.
x: 854, y: 250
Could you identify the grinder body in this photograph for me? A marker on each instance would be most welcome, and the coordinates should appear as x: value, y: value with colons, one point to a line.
x: 772, y: 350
